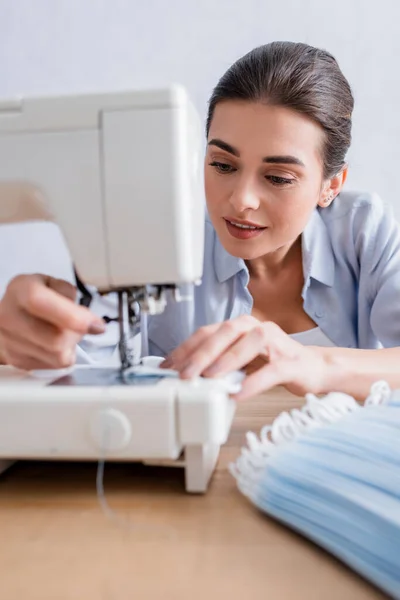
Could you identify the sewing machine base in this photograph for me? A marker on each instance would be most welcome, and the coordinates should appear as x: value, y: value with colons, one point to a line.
x: 154, y: 422
x: 198, y: 461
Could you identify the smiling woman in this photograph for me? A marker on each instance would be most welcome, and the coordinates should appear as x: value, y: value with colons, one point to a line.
x: 273, y: 171
x: 301, y: 279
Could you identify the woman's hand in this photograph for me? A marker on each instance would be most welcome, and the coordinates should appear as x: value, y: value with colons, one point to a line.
x: 215, y: 350
x: 40, y: 324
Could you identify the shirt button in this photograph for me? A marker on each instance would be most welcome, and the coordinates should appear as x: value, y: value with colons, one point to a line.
x: 319, y: 314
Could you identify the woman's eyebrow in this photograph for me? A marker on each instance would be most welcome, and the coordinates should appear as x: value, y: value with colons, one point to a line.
x: 224, y: 146
x: 286, y: 160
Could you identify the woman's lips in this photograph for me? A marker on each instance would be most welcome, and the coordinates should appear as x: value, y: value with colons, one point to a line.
x: 243, y: 233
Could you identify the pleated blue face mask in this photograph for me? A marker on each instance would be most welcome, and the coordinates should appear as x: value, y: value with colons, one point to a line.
x: 332, y: 472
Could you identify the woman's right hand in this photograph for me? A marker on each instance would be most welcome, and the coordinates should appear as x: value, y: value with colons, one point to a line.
x: 40, y: 323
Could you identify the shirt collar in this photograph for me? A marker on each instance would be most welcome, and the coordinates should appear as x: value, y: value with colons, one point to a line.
x: 318, y: 260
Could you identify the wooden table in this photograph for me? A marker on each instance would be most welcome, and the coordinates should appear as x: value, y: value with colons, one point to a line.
x: 57, y: 544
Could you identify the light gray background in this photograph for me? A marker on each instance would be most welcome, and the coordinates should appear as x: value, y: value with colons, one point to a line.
x: 56, y: 46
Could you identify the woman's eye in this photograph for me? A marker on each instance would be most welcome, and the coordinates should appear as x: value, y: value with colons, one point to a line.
x: 275, y: 180
x: 222, y: 167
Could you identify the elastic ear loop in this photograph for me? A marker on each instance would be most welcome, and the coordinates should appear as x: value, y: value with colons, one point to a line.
x: 109, y: 512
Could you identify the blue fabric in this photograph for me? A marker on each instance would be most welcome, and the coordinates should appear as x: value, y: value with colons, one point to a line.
x: 339, y: 485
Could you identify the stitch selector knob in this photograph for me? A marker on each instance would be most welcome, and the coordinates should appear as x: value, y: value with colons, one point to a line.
x: 110, y: 430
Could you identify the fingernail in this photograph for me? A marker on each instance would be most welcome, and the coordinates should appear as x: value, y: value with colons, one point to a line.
x: 188, y: 371
x: 97, y: 327
x: 166, y: 364
x: 68, y: 357
x: 215, y: 368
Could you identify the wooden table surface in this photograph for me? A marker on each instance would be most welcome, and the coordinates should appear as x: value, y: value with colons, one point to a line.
x: 56, y: 543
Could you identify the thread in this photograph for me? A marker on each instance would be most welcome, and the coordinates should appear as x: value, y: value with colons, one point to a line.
x: 119, y: 520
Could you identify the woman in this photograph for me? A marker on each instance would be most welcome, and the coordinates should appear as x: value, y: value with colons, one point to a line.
x: 301, y: 282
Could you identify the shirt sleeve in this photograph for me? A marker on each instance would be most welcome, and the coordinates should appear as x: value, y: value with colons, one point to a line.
x: 166, y: 331
x: 379, y: 241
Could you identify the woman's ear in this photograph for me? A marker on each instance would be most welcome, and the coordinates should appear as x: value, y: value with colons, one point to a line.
x: 332, y: 188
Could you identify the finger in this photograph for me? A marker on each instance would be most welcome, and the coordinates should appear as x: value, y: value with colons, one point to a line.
x: 215, y: 345
x: 264, y: 379
x: 35, y: 332
x: 180, y: 355
x: 48, y: 305
x: 22, y: 355
x: 265, y: 339
x: 62, y: 287
x: 26, y: 363
x: 241, y: 353
x: 257, y: 363
x: 29, y: 363
x: 52, y: 357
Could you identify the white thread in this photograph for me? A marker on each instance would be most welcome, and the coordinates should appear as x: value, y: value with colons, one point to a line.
x: 106, y: 508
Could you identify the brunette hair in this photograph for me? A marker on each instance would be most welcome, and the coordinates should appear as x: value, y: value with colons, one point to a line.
x: 300, y: 77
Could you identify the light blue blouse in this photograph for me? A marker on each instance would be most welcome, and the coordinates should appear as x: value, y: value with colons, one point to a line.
x: 351, y: 265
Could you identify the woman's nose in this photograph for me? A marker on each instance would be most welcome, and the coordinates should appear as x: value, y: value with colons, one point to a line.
x: 245, y: 197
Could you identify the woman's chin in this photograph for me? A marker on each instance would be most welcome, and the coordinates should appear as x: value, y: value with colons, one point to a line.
x: 246, y: 249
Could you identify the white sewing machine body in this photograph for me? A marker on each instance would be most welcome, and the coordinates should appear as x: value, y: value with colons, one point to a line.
x: 121, y: 174
x: 156, y: 420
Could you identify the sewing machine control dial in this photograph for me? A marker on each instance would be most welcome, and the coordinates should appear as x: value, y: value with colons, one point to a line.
x: 110, y: 430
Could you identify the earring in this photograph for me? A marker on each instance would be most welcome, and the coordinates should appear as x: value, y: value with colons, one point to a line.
x: 329, y: 198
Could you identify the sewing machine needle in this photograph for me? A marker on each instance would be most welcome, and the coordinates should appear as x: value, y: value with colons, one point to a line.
x: 122, y: 345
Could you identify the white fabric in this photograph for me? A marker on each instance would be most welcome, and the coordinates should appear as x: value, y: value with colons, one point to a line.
x: 312, y: 337
x: 33, y: 248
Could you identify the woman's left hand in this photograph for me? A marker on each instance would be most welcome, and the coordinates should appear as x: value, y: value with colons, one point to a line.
x: 215, y: 350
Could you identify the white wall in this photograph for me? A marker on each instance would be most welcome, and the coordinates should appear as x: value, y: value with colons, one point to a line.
x: 69, y: 45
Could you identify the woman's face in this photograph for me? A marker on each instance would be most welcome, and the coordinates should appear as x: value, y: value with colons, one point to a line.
x: 263, y: 176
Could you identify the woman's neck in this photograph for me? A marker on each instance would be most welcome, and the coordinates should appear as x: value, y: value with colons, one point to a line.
x: 272, y: 265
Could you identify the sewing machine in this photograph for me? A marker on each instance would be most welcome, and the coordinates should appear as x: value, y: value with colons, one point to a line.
x: 121, y: 173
